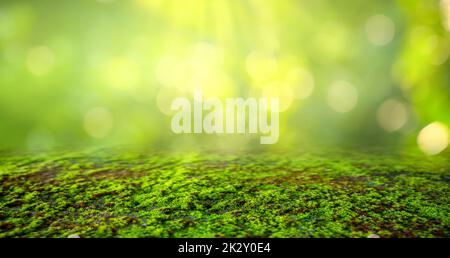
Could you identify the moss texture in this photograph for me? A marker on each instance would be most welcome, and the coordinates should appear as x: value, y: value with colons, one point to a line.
x: 121, y: 193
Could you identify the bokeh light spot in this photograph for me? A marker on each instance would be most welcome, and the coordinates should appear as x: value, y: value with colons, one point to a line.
x: 445, y: 6
x: 438, y: 49
x: 380, y: 30
x: 331, y: 41
x: 98, y: 122
x: 342, y: 96
x: 301, y: 82
x: 433, y: 138
x: 392, y: 115
x: 40, y: 60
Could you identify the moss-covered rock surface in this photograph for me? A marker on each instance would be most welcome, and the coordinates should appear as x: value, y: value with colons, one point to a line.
x: 118, y: 193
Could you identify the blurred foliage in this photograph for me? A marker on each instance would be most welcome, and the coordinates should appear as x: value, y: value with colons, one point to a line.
x: 104, y: 72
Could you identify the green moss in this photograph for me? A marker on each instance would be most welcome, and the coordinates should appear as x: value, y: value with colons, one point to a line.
x: 136, y: 194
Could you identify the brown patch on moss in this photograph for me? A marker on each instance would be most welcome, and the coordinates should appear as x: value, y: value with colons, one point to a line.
x: 352, y: 179
x: 5, y: 225
x: 16, y: 203
x: 297, y: 179
x: 116, y: 174
x: 46, y: 175
x: 98, y: 195
x: 209, y: 165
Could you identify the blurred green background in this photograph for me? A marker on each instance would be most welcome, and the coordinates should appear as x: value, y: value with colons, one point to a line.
x: 94, y: 73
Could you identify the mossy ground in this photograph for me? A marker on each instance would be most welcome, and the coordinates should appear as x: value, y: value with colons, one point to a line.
x: 106, y: 193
